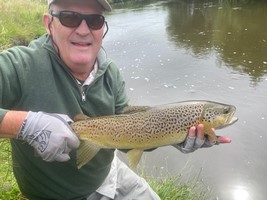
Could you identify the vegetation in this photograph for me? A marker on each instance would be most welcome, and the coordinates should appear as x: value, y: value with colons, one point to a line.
x: 8, y: 187
x: 18, y: 25
x: 175, y: 188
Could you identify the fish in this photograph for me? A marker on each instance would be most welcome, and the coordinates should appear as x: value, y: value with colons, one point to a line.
x: 140, y: 128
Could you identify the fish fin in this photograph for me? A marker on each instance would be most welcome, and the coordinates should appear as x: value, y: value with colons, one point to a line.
x: 211, y: 134
x: 86, y: 152
x: 135, y: 109
x: 80, y: 117
x: 134, y: 157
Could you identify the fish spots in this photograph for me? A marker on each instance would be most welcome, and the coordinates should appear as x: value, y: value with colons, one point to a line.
x: 156, y: 126
x: 159, y: 125
x: 210, y: 115
x: 218, y: 115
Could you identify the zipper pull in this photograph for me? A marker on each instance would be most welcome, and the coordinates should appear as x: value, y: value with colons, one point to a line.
x: 83, y: 96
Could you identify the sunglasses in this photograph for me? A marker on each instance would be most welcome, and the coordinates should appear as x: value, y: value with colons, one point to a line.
x: 73, y: 19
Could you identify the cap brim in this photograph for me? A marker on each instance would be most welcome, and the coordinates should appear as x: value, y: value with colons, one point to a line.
x: 105, y: 5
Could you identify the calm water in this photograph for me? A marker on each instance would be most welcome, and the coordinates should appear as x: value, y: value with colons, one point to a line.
x: 175, y: 51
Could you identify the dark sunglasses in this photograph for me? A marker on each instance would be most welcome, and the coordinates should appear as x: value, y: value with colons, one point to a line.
x: 74, y: 19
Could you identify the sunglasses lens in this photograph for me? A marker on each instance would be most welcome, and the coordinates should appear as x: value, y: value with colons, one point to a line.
x: 73, y: 19
x: 95, y: 21
x: 70, y: 19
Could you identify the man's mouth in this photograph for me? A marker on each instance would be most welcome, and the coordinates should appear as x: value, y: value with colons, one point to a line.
x: 81, y: 44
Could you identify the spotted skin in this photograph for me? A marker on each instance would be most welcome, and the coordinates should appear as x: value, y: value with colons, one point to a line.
x: 154, y: 127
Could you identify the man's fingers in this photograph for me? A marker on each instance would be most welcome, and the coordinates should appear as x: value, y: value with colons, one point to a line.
x: 197, y: 131
x: 192, y: 132
x: 223, y: 139
x: 200, y: 131
x: 62, y: 157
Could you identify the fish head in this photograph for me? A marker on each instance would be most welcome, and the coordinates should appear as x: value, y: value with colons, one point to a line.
x: 218, y: 115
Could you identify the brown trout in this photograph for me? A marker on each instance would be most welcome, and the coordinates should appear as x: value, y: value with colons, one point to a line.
x: 142, y: 127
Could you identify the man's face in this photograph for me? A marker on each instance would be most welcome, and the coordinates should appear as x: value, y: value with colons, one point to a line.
x: 77, y: 47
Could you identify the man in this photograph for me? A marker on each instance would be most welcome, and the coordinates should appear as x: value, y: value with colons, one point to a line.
x: 44, y: 85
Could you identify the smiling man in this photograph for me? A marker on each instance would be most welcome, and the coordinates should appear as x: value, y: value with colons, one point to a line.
x: 44, y: 85
x: 78, y: 42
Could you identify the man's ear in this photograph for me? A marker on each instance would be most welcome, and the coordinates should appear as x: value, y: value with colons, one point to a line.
x: 47, y: 22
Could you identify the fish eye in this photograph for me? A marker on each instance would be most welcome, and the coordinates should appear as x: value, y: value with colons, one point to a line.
x: 226, y: 110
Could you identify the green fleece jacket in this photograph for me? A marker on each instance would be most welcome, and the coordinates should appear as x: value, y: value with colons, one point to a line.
x: 34, y: 78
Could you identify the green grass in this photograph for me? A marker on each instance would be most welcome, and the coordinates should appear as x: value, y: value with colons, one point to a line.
x: 20, y: 21
x: 8, y: 187
x: 171, y: 188
x: 185, y: 185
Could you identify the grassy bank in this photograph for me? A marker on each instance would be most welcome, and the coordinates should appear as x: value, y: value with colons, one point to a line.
x: 175, y: 188
x: 8, y: 186
x: 20, y: 21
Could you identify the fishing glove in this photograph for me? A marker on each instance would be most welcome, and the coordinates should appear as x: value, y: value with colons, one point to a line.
x: 50, y: 135
x: 193, y: 143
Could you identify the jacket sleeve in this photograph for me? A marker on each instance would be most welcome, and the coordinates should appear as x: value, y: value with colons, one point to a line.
x: 9, y: 81
x: 2, y: 114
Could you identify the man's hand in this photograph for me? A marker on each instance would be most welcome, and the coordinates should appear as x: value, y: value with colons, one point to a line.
x: 196, y: 139
x: 50, y: 135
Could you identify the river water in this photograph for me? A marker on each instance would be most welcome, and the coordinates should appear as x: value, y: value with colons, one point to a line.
x: 171, y: 51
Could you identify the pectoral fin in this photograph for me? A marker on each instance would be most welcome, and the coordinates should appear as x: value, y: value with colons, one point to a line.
x: 134, y: 157
x: 211, y: 133
x: 86, y: 152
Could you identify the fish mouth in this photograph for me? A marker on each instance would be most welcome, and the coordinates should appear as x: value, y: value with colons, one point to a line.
x: 230, y: 121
